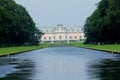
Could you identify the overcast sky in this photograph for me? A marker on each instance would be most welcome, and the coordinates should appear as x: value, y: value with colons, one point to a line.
x: 53, y: 12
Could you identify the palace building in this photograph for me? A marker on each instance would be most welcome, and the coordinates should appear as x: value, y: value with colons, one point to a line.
x: 62, y: 33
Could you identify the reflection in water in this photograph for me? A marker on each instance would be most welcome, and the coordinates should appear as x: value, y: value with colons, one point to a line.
x: 22, y: 70
x: 106, y: 69
x: 6, y: 60
x: 63, y: 63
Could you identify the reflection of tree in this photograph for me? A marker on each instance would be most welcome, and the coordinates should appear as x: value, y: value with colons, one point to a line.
x: 24, y: 72
x: 106, y: 70
x: 6, y: 61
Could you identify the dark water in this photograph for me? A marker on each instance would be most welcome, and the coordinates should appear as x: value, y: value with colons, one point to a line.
x: 61, y: 63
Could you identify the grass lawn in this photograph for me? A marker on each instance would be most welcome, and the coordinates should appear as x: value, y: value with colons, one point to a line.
x: 13, y: 50
x: 112, y: 48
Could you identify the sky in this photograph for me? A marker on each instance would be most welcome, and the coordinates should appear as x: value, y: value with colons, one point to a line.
x: 53, y: 12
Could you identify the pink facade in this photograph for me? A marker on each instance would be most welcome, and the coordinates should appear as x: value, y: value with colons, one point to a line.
x: 61, y: 33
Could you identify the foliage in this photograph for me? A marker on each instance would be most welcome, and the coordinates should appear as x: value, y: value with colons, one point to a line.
x: 103, y: 25
x: 16, y: 25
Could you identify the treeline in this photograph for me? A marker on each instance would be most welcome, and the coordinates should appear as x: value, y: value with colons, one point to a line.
x: 16, y: 26
x: 103, y: 26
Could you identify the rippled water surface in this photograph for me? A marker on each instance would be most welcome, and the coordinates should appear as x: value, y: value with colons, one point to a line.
x: 61, y: 63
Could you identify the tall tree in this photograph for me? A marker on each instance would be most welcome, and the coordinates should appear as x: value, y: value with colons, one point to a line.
x: 16, y: 25
x: 103, y: 25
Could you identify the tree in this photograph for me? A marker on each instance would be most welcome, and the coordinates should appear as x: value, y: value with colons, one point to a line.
x: 103, y: 25
x: 16, y: 25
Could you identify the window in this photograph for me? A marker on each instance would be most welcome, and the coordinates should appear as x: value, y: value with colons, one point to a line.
x: 68, y: 30
x: 70, y: 37
x: 75, y: 37
x: 72, y: 30
x: 49, y: 38
x: 54, y: 37
x: 80, y: 37
x: 60, y: 37
x: 44, y: 38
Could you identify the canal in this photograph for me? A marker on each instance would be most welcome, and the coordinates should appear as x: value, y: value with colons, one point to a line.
x: 61, y: 63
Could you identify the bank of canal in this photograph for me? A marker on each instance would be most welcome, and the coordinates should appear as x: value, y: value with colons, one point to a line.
x: 6, y: 51
x: 61, y: 63
x: 15, y: 50
x: 111, y: 48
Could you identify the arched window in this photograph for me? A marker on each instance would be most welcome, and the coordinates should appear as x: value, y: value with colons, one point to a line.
x: 75, y: 37
x: 54, y: 37
x: 80, y: 37
x: 60, y: 37
x: 44, y: 38
x: 70, y: 37
x: 49, y: 38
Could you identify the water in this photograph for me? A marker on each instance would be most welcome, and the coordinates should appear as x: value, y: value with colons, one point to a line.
x: 61, y: 63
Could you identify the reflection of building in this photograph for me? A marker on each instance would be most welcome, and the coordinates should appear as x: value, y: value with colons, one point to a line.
x: 62, y: 33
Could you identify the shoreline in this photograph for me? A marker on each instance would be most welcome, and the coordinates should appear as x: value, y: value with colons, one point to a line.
x: 111, y: 52
x: 8, y: 54
x: 7, y: 51
x: 114, y: 49
x: 32, y: 48
x: 13, y: 53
